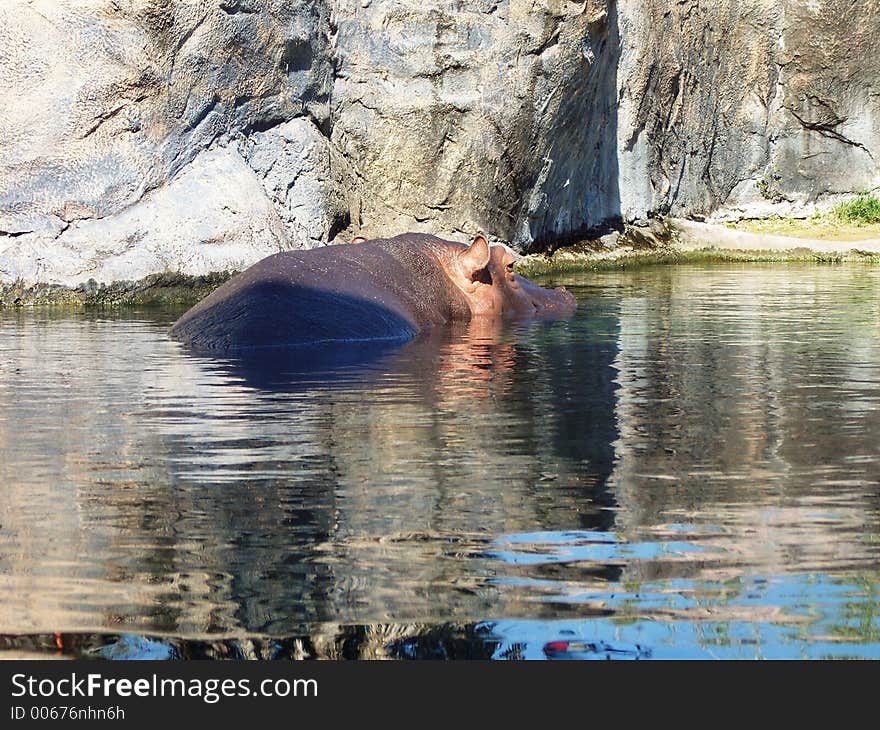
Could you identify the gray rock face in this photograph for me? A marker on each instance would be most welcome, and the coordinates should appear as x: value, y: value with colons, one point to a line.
x: 747, y: 108
x: 293, y: 163
x: 474, y: 116
x: 112, y: 113
x: 235, y: 225
x: 139, y: 136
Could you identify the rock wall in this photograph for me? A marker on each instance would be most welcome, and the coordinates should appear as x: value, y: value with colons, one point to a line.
x: 483, y: 115
x: 141, y: 136
x: 746, y: 109
x: 128, y: 127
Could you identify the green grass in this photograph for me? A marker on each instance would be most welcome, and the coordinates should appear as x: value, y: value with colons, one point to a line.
x: 864, y: 209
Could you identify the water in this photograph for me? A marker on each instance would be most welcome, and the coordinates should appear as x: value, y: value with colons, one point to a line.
x: 688, y: 468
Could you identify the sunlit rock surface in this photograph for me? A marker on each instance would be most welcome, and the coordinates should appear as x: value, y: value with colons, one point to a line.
x: 124, y: 125
x: 746, y: 109
x: 534, y: 122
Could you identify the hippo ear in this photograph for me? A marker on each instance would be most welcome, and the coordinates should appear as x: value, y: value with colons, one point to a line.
x: 359, y: 239
x: 476, y: 258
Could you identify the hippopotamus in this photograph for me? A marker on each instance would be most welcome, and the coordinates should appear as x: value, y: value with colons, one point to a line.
x: 368, y: 290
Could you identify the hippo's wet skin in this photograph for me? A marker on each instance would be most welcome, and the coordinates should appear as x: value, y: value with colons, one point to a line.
x: 382, y: 289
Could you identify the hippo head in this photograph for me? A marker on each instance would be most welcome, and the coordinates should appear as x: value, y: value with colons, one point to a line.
x: 484, y: 274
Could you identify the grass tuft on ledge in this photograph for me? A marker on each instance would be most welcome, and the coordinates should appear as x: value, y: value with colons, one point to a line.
x: 864, y: 209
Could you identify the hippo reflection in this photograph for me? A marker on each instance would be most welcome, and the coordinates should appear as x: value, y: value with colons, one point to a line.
x: 385, y: 289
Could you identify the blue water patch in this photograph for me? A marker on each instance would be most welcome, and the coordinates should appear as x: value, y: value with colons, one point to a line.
x: 564, y: 547
x: 135, y: 648
x: 780, y: 617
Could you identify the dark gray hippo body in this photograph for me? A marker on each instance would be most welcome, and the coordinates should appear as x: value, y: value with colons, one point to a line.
x: 383, y: 289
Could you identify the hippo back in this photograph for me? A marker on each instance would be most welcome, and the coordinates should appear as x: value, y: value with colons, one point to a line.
x: 348, y: 293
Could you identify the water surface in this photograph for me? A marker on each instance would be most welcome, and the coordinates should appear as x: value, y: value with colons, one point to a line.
x: 690, y: 467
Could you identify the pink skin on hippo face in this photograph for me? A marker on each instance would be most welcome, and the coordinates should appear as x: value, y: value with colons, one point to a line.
x: 484, y: 274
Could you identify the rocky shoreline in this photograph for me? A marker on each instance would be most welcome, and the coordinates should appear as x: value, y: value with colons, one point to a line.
x: 656, y: 241
x: 167, y: 289
x: 676, y: 241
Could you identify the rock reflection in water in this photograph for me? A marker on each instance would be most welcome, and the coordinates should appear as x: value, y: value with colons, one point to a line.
x: 437, y: 448
x: 193, y: 495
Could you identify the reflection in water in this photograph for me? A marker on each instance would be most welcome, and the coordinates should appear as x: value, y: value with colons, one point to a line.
x: 162, y: 492
x: 686, y: 468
